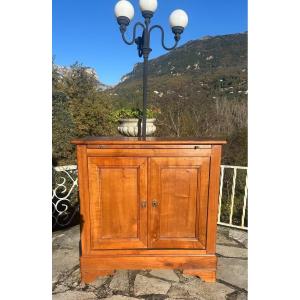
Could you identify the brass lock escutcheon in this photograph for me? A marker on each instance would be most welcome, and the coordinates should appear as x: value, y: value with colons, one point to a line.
x: 154, y: 203
x: 144, y: 204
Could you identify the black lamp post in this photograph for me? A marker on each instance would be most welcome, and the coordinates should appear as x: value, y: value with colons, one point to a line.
x: 124, y: 12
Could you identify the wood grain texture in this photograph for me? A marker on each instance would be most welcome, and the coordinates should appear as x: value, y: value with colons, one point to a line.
x: 132, y: 262
x: 94, y: 140
x: 180, y: 187
x: 91, y: 275
x: 150, y: 146
x: 203, y: 266
x: 83, y: 177
x: 148, y: 252
x: 213, y: 199
x: 148, y: 152
x: 178, y: 203
x: 117, y: 188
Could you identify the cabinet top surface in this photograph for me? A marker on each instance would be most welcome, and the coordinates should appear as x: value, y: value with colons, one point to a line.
x: 119, y: 140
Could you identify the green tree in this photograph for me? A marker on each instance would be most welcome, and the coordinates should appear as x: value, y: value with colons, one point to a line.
x: 79, y: 109
x: 89, y: 107
x: 63, y: 130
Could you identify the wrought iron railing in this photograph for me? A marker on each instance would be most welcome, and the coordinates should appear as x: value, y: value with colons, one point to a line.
x: 233, y: 197
x: 65, y: 204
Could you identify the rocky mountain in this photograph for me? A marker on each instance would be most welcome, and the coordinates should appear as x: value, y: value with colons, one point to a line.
x: 198, y: 57
x: 66, y: 71
x: 215, y: 66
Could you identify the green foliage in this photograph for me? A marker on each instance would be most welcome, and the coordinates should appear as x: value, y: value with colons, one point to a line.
x: 152, y: 112
x: 79, y: 109
x: 126, y: 113
x: 134, y: 113
x: 63, y: 129
x: 238, y: 197
x: 236, y: 150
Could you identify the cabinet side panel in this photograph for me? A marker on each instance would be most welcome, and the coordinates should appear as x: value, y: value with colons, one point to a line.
x: 203, y: 201
x: 84, y: 199
x: 213, y: 198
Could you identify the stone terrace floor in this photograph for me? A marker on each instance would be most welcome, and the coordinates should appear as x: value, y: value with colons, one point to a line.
x: 151, y: 284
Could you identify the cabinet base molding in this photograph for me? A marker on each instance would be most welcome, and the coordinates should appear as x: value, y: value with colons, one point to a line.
x: 89, y: 276
x: 203, y: 266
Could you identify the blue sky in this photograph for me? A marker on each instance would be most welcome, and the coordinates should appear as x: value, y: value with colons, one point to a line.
x: 86, y: 31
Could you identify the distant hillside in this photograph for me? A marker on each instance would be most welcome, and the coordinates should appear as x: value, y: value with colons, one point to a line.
x: 198, y: 57
x: 201, y: 89
x: 219, y: 61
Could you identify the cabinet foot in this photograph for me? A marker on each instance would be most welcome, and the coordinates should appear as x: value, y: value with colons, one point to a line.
x: 90, y: 276
x: 207, y: 276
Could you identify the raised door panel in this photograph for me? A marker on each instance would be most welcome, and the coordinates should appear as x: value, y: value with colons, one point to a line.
x: 178, y: 198
x: 118, y: 194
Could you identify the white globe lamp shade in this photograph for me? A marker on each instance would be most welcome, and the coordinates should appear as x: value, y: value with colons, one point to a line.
x: 178, y: 18
x: 148, y: 5
x: 124, y: 9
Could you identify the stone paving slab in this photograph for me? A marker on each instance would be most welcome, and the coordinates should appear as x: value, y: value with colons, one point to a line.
x: 232, y: 251
x: 165, y: 274
x: 223, y: 237
x: 240, y: 236
x: 65, y: 251
x: 233, y: 271
x: 75, y: 296
x: 99, y: 281
x: 120, y: 281
x: 147, y: 286
x: 178, y: 291
x: 120, y: 297
x: 215, y: 291
x: 66, y: 239
x: 63, y: 260
x: 242, y: 296
x: 151, y: 284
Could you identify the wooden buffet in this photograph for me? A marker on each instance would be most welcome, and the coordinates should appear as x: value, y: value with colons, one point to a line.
x: 147, y: 204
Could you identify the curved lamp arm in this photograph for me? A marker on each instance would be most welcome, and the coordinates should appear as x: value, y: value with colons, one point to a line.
x: 163, y: 38
x: 122, y: 29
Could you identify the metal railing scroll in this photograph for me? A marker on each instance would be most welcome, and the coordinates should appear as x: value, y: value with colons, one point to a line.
x: 65, y: 204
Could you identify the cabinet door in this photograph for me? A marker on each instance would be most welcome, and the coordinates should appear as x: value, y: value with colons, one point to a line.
x: 118, y: 199
x: 178, y: 199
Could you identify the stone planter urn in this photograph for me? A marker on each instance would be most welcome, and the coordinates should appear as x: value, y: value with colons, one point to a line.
x: 129, y: 127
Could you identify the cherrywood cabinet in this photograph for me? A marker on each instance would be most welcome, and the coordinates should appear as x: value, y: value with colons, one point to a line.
x: 148, y: 204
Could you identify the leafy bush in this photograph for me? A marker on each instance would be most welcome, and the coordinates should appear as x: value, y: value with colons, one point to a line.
x: 134, y: 113
x: 78, y: 109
